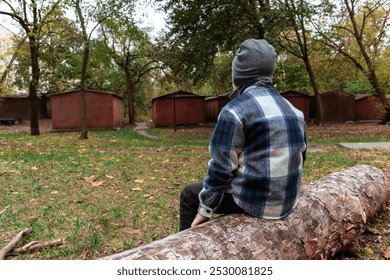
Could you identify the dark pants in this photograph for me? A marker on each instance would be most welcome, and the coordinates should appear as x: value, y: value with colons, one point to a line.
x: 189, y: 204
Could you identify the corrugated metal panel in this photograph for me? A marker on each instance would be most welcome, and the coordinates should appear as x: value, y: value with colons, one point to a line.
x: 18, y: 108
x: 368, y: 107
x: 338, y: 106
x: 300, y: 101
x: 104, y: 110
x: 214, y: 106
x: 178, y: 108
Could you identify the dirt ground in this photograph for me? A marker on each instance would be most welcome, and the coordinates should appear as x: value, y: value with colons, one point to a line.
x: 361, y: 129
x: 358, y: 129
x: 44, y: 126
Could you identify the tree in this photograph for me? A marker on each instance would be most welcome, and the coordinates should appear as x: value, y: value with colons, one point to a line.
x: 59, y: 58
x: 32, y: 17
x: 133, y: 51
x: 290, y: 73
x: 295, y: 37
x: 201, y: 29
x: 103, y: 73
x: 99, y: 12
x: 18, y: 44
x: 359, y: 32
x: 86, y: 42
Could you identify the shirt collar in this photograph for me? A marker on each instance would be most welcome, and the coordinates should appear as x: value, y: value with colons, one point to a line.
x: 252, y: 82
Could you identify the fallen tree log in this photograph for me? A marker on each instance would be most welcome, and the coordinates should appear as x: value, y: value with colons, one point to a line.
x: 330, y: 216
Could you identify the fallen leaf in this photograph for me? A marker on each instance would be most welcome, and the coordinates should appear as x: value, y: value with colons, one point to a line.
x: 34, y: 168
x: 3, y: 211
x: 109, y: 176
x: 90, y: 179
x: 98, y: 183
x: 138, y: 181
x: 136, y: 189
x: 54, y: 192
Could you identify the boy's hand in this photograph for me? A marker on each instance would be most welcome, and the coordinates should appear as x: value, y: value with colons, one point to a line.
x: 199, y: 219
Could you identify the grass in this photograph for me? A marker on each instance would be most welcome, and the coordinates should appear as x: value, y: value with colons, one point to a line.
x: 118, y: 189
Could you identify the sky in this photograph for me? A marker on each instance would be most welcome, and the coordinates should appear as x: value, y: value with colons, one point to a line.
x: 147, y: 15
x: 153, y: 19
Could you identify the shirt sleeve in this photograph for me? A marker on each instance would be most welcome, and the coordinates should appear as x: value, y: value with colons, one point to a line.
x: 225, y: 147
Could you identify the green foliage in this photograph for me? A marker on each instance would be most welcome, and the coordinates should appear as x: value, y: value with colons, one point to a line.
x: 135, y: 56
x: 60, y: 57
x: 103, y: 73
x: 201, y: 29
x: 358, y: 84
x: 290, y: 74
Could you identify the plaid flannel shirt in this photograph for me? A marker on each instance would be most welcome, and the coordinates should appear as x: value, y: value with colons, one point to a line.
x: 257, y: 153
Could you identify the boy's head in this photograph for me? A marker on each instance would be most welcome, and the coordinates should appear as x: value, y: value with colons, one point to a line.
x: 254, y: 59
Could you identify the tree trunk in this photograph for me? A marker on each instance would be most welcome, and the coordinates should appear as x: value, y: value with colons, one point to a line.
x: 130, y: 99
x: 83, y: 125
x: 33, y: 87
x: 83, y: 128
x: 313, y: 82
x: 330, y: 216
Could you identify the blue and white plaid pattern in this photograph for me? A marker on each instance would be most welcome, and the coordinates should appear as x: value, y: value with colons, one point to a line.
x: 258, y: 149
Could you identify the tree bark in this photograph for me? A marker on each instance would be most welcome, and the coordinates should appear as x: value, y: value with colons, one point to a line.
x: 130, y: 96
x: 35, y: 246
x: 331, y: 214
x: 83, y: 125
x: 33, y: 86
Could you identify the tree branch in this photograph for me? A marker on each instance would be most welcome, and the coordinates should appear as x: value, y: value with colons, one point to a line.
x: 35, y: 245
x: 29, y: 247
x: 13, y: 243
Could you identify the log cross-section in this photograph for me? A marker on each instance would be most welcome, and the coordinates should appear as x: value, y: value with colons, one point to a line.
x: 331, y: 214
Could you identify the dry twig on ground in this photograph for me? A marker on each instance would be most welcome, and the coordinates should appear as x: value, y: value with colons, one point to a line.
x: 13, y: 243
x: 29, y: 247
